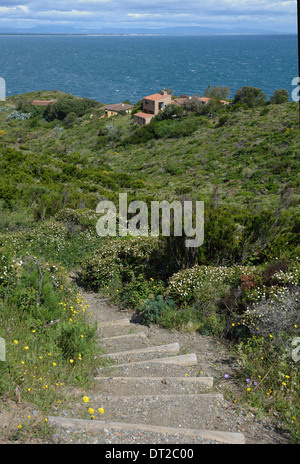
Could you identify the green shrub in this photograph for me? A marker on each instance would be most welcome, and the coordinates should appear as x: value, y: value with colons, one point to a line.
x: 137, y: 290
x: 68, y: 105
x: 279, y: 96
x: 155, y: 309
x: 171, y: 111
x: 74, y: 340
x: 199, y: 283
x: 120, y: 259
x: 251, y: 96
x: 223, y: 120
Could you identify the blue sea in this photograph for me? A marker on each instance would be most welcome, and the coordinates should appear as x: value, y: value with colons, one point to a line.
x: 112, y: 69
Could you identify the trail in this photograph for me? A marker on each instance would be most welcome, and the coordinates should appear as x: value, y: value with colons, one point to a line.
x: 162, y: 388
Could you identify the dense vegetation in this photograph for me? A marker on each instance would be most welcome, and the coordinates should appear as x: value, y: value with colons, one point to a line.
x: 242, y: 160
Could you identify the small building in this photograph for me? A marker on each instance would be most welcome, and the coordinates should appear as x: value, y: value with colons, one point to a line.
x: 152, y: 105
x: 181, y: 100
x: 205, y: 100
x: 42, y: 102
x: 157, y: 102
x: 143, y: 118
x: 116, y: 108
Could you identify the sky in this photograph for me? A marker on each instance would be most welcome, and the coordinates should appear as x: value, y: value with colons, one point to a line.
x: 96, y: 16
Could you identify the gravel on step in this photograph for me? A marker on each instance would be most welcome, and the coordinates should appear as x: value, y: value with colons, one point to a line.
x: 117, y: 436
x: 146, y: 386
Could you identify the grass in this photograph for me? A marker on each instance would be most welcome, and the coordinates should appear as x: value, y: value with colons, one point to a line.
x: 249, y: 159
x: 242, y: 163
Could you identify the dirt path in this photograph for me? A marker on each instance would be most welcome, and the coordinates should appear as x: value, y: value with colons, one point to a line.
x: 163, y: 387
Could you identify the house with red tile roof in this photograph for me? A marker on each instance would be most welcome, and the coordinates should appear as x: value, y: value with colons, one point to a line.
x: 152, y: 105
x: 205, y: 100
x: 116, y: 108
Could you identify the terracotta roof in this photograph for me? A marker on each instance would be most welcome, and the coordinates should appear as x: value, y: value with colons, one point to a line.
x: 204, y: 99
x: 156, y: 96
x: 117, y: 107
x: 181, y: 100
x: 144, y: 115
x: 42, y: 102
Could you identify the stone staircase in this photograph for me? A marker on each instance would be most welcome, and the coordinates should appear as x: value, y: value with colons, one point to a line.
x: 152, y: 392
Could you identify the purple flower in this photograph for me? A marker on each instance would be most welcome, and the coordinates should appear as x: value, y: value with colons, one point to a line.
x: 247, y: 380
x: 226, y: 376
x: 255, y: 383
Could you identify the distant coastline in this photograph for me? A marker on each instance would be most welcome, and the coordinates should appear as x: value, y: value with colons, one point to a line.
x: 163, y: 34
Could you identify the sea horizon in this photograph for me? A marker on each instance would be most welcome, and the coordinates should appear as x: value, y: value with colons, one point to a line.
x: 98, y: 34
x: 112, y: 68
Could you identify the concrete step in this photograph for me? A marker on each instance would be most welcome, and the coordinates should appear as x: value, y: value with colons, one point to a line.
x: 153, y: 385
x: 180, y: 360
x: 154, y: 433
x: 126, y: 342
x: 197, y: 411
x: 114, y: 323
x: 118, y: 330
x: 154, y: 368
x: 124, y: 337
x: 142, y: 354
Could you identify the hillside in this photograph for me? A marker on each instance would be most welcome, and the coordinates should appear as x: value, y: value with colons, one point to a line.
x: 251, y: 158
x: 241, y: 287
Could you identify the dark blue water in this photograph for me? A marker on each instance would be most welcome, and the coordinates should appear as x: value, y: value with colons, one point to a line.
x: 112, y: 69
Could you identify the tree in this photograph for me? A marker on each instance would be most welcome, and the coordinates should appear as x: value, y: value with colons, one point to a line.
x: 193, y: 105
x: 279, y: 96
x: 171, y: 111
x: 220, y: 93
x: 251, y: 96
x: 66, y: 105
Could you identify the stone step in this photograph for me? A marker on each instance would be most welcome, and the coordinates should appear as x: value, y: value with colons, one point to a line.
x: 150, y: 370
x: 114, y: 323
x: 180, y: 360
x: 133, y: 399
x: 155, y: 434
x: 153, y: 385
x: 122, y: 337
x: 126, y: 342
x: 142, y: 353
x: 118, y: 330
x: 197, y: 411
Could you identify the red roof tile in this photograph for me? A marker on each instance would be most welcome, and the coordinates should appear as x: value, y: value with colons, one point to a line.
x: 117, y: 107
x: 42, y: 102
x: 156, y: 96
x: 144, y: 115
x: 204, y: 99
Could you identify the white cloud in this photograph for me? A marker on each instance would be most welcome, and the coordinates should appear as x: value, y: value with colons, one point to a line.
x: 275, y: 14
